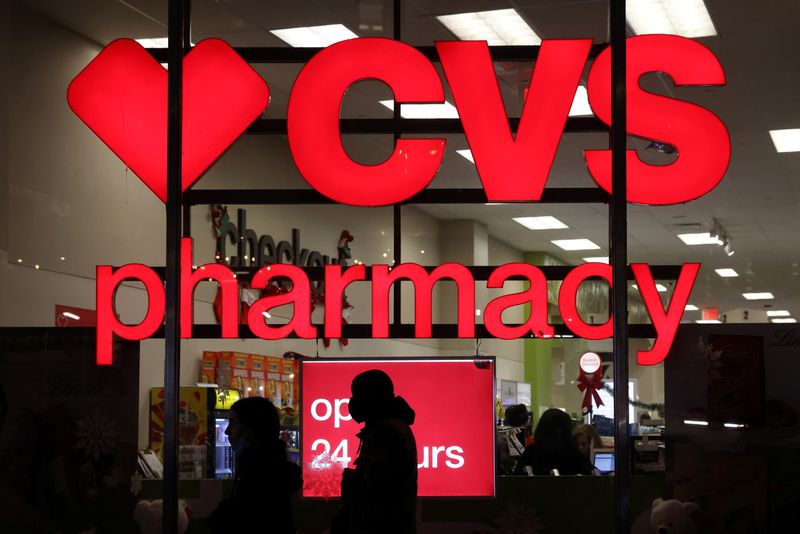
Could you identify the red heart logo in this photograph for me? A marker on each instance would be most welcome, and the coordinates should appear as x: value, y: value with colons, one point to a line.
x: 122, y: 97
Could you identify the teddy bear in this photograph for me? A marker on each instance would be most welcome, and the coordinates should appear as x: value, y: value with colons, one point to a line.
x: 674, y: 517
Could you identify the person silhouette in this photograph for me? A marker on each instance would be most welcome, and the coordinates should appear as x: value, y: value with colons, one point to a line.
x: 379, y: 496
x: 265, y: 480
x: 553, y: 451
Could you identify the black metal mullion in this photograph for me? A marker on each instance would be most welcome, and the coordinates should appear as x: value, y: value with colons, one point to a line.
x: 618, y: 235
x: 551, y: 195
x: 302, y: 55
x: 397, y: 212
x: 399, y: 125
x: 178, y: 43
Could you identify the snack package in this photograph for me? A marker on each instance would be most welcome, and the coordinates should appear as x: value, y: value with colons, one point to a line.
x: 287, y: 382
x: 225, y: 362
x: 258, y: 375
x: 241, y: 373
x: 208, y: 368
x: 272, y: 390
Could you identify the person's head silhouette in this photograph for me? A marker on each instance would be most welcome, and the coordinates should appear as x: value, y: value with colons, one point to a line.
x: 373, y: 399
x: 253, y: 420
x: 554, y: 430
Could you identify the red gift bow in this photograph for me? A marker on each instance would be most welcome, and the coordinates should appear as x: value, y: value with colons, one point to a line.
x: 589, y: 384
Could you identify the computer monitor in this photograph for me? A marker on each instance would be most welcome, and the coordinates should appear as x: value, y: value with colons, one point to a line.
x: 603, y: 460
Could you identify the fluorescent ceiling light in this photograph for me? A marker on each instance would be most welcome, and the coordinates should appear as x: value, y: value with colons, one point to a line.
x: 497, y: 27
x: 466, y: 154
x: 156, y: 42
x: 708, y: 321
x: 575, y: 244
x: 71, y: 315
x: 784, y: 320
x: 758, y: 296
x: 580, y: 104
x: 424, y: 111
x: 687, y: 18
x: 778, y: 313
x: 734, y: 425
x: 695, y: 422
x: 702, y: 238
x: 659, y: 287
x: 690, y: 307
x: 314, y: 36
x: 726, y: 273
x: 545, y: 222
x: 596, y: 259
x: 786, y: 140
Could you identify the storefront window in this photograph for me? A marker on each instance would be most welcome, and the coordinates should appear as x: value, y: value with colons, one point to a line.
x: 509, y: 353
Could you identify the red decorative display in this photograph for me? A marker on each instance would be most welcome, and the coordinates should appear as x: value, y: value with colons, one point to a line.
x: 122, y: 96
x: 453, y: 459
x: 589, y: 383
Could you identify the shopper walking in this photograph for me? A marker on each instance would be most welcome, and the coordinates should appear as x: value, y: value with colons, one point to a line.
x: 553, y: 452
x: 265, y: 480
x: 379, y: 496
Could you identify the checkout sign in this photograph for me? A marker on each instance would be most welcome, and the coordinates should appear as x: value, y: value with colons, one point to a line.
x: 454, y: 426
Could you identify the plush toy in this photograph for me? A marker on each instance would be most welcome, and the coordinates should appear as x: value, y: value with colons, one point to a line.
x: 674, y: 517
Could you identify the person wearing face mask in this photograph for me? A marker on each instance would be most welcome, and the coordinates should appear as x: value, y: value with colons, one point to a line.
x: 379, y: 496
x: 265, y: 479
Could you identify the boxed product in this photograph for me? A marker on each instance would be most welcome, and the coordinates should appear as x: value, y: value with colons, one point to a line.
x: 258, y: 375
x: 241, y: 373
x: 225, y: 369
x: 208, y: 368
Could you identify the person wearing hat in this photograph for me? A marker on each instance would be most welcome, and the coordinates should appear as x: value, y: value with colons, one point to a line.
x: 379, y: 496
x: 265, y: 480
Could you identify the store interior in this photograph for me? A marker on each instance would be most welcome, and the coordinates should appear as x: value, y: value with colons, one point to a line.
x: 69, y: 204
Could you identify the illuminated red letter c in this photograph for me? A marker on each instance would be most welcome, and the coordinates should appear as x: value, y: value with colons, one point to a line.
x: 313, y: 122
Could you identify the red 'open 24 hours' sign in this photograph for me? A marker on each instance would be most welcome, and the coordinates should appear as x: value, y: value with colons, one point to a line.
x: 454, y: 427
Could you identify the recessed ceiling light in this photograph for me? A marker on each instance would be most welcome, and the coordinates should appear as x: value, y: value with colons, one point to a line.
x: 726, y: 273
x: 701, y: 238
x: 690, y: 307
x: 575, y: 244
x: 758, y: 296
x: 734, y: 425
x: 659, y: 287
x: 784, y: 320
x: 596, y: 259
x: 156, y: 42
x: 466, y: 154
x: 544, y: 222
x: 497, y: 27
x: 580, y: 104
x: 424, y: 111
x: 786, y: 140
x: 778, y: 313
x: 708, y: 321
x: 687, y: 18
x: 314, y: 36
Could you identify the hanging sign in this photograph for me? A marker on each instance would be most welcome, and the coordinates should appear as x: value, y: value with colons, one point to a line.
x: 122, y: 96
x: 455, y: 458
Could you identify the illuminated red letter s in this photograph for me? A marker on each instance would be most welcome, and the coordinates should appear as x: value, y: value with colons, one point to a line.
x: 313, y: 122
x: 702, y: 141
